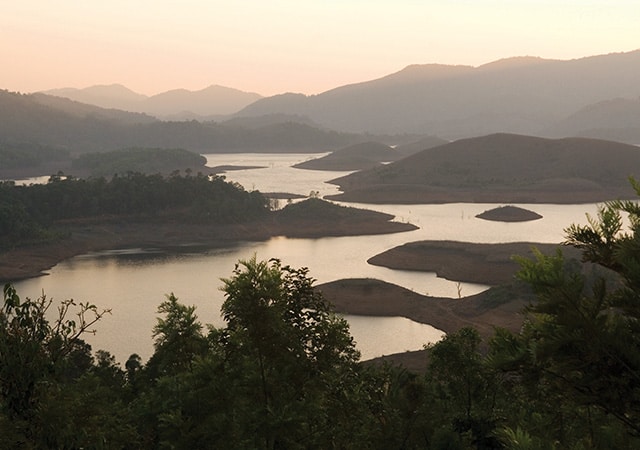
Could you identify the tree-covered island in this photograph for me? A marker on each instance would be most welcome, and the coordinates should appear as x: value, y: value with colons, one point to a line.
x: 42, y: 224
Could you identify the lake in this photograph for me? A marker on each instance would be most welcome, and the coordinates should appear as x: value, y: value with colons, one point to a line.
x: 133, y: 282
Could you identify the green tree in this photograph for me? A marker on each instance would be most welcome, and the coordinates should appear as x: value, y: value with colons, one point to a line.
x: 32, y: 349
x: 464, y: 391
x: 178, y: 338
x: 296, y: 353
x: 39, y: 362
x: 578, y: 356
x: 281, y: 374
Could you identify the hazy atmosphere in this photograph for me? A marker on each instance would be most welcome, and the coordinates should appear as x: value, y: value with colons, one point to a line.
x: 285, y: 45
x: 296, y: 224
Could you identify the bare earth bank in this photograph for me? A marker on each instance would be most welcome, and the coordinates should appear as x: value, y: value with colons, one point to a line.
x: 491, y: 264
x: 31, y: 261
x: 497, y: 307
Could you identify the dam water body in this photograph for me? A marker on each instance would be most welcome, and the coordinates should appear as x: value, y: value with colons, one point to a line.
x: 133, y: 282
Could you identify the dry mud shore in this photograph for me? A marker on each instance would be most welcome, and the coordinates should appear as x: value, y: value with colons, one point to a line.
x: 31, y: 261
x: 491, y: 264
x: 497, y: 307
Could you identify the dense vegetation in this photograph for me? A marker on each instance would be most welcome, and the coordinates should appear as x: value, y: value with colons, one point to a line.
x: 18, y: 155
x: 143, y: 160
x: 284, y: 373
x: 27, y: 212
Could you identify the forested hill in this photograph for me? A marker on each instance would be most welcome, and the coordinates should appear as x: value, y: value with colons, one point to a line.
x: 46, y: 120
x: 28, y: 212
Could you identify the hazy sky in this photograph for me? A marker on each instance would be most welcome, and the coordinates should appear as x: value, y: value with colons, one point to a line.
x: 276, y: 46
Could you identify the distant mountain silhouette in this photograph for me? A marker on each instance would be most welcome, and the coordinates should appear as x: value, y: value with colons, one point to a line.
x: 520, y: 95
x: 53, y: 121
x: 84, y: 110
x: 206, y: 102
x: 105, y: 96
x: 524, y: 95
x: 46, y: 120
x: 616, y: 119
x: 178, y: 104
x: 501, y: 168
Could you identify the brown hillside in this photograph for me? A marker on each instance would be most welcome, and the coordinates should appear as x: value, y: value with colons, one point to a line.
x: 490, y: 264
x: 501, y: 168
x: 354, y: 157
x: 422, y: 144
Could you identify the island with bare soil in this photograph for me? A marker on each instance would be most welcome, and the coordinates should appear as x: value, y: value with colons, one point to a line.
x: 355, y: 157
x: 500, y: 168
x: 497, y: 307
x: 312, y: 218
x: 509, y: 213
x: 490, y: 264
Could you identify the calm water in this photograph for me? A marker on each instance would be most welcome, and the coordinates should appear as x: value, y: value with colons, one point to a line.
x: 132, y: 282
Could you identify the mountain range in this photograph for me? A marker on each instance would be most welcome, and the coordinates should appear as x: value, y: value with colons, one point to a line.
x: 177, y: 104
x: 41, y: 119
x: 596, y: 96
x: 522, y: 95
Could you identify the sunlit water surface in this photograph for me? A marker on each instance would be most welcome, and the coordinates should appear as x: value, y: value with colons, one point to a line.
x: 132, y: 282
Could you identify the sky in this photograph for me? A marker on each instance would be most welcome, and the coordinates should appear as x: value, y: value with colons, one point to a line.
x: 277, y: 46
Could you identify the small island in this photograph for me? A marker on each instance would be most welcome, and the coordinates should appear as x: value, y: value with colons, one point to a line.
x: 228, y: 168
x: 498, y: 168
x: 509, y: 213
x: 499, y: 306
x: 355, y: 157
x: 489, y: 264
x: 70, y: 216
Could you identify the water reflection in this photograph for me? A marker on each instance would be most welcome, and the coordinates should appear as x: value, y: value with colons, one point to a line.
x: 133, y: 285
x: 381, y: 335
x: 133, y: 282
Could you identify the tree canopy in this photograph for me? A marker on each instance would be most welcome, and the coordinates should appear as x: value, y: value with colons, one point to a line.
x: 143, y: 160
x: 27, y: 212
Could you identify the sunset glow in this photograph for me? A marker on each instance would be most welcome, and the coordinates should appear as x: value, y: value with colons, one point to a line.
x: 288, y: 45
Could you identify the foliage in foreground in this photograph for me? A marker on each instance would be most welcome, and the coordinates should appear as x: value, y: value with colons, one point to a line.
x: 284, y: 372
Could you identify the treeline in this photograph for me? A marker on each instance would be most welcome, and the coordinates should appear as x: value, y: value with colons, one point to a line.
x: 27, y: 212
x: 143, y: 160
x: 284, y: 372
x: 16, y: 155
